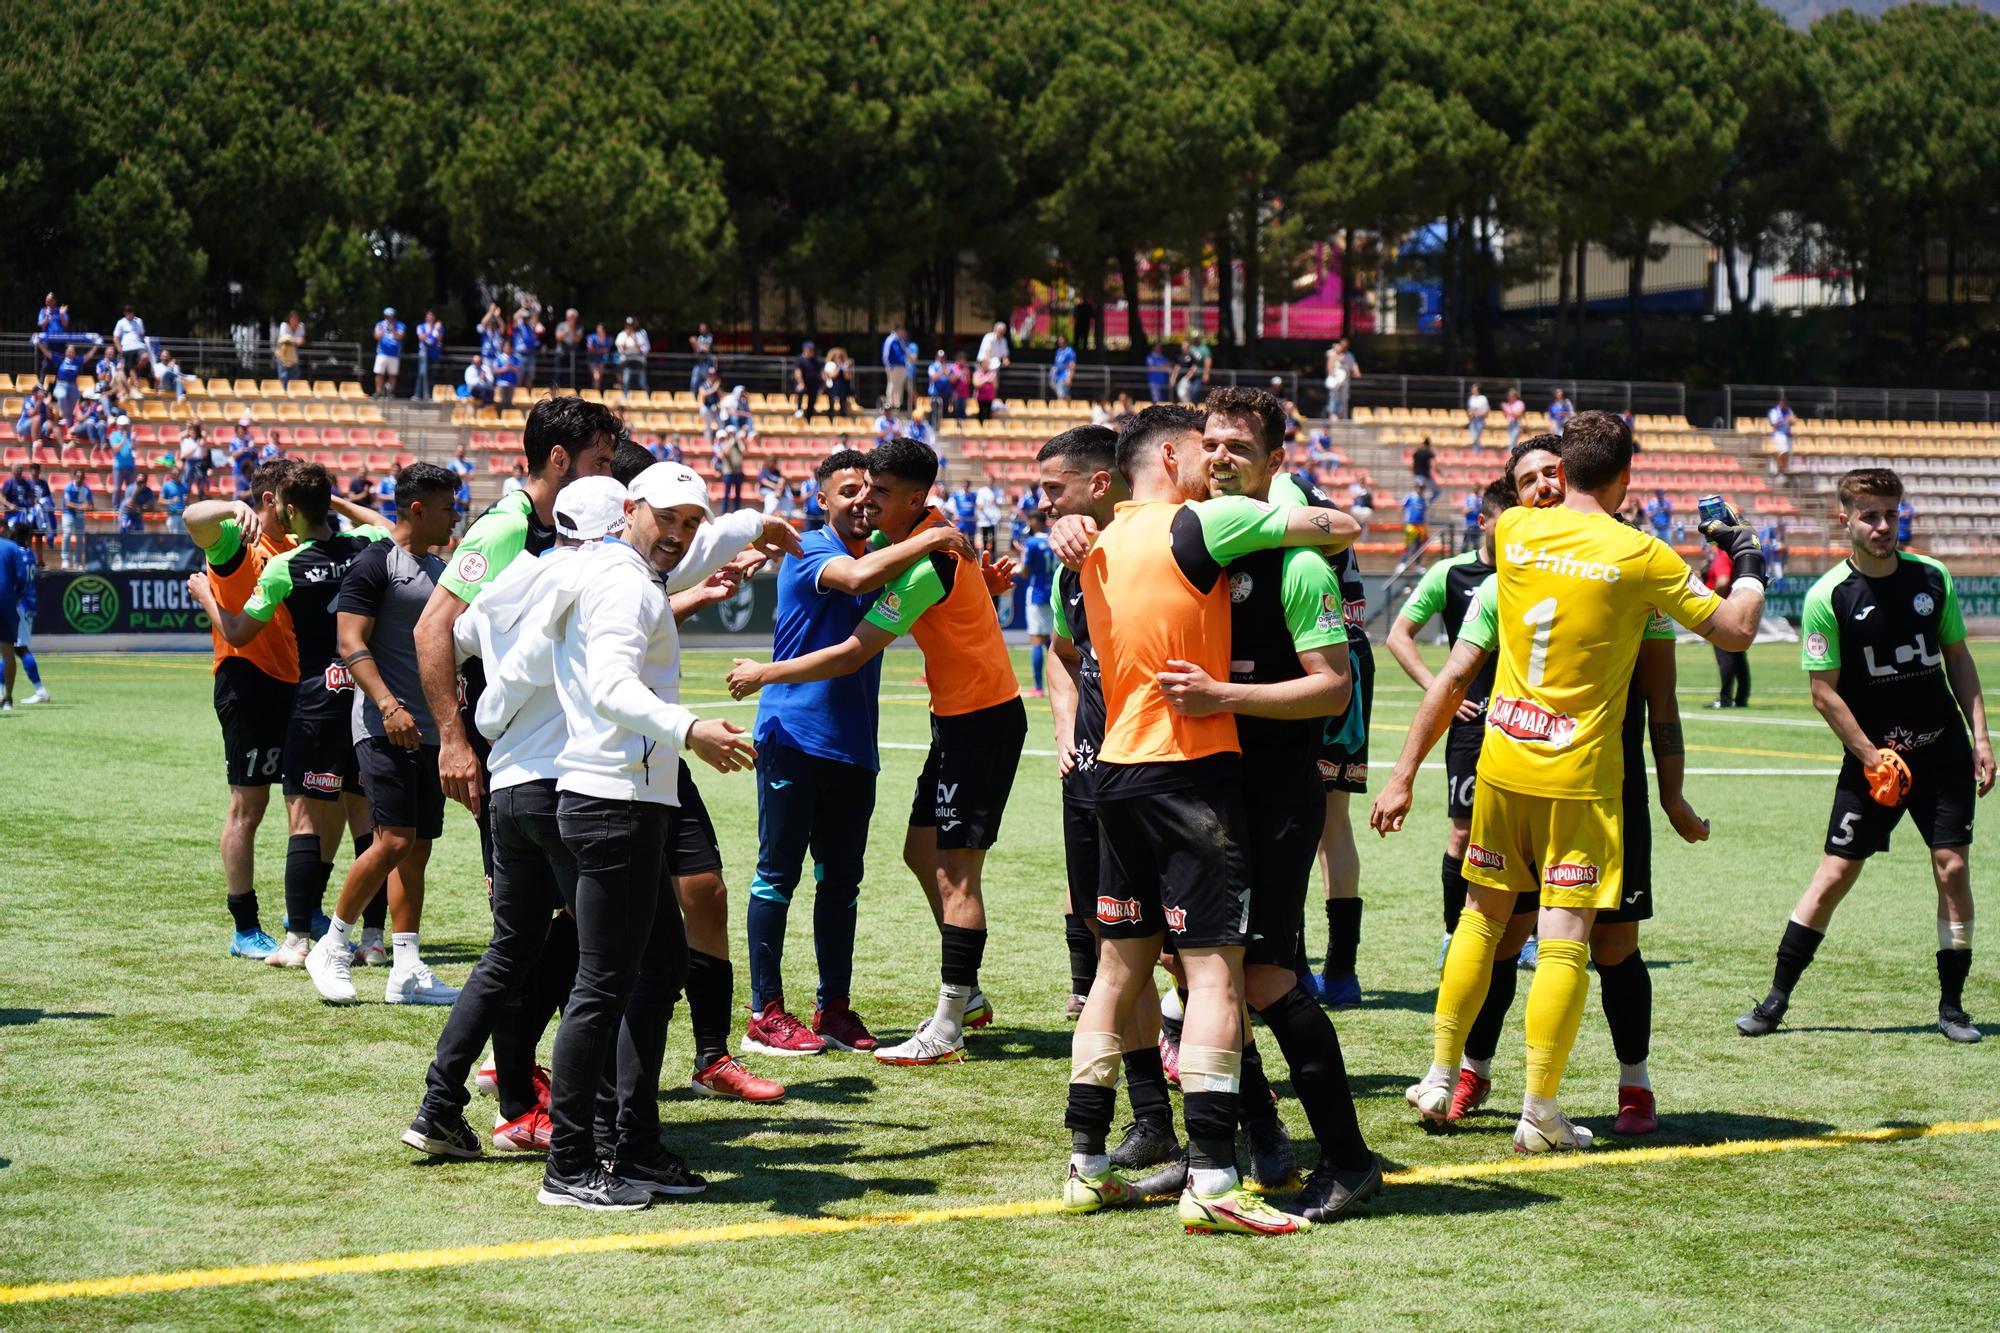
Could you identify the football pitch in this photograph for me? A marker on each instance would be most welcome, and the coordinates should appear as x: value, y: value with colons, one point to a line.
x: 192, y: 1140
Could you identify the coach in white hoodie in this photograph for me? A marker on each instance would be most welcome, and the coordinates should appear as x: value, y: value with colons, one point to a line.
x: 617, y: 672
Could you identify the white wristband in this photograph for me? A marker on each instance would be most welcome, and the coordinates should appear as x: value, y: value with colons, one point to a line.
x: 1748, y: 581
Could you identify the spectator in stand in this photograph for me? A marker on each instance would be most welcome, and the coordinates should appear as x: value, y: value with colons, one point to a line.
x: 810, y: 504
x: 1191, y: 372
x: 19, y: 496
x: 702, y: 343
x: 918, y: 429
x: 938, y: 384
x: 242, y: 456
x: 516, y: 480
x: 731, y: 450
x: 1158, y: 369
x: 1660, y: 515
x: 1906, y: 521
x: 807, y: 380
x: 389, y: 333
x: 462, y: 467
x: 67, y: 394
x: 1632, y: 426
x: 274, y: 447
x: 1560, y: 410
x: 1513, y: 408
x: 506, y: 377
x: 961, y: 386
x: 1783, y: 422
x: 596, y: 351
x: 77, y: 500
x: 1416, y: 509
x: 88, y: 428
x: 986, y: 388
x: 1422, y: 469
x: 285, y: 346
x: 965, y: 510
x: 124, y: 458
x: 896, y: 368
x: 839, y: 377
x: 49, y: 337
x: 994, y: 350
x: 992, y: 502
x: 168, y: 372
x: 479, y: 384
x: 361, y: 489
x: 1468, y: 532
x: 1773, y: 539
x: 385, y: 496
x: 670, y: 451
x: 130, y: 334
x: 132, y: 511
x: 709, y: 403
x: 1062, y: 369
x: 1122, y: 410
x: 1341, y: 372
x: 736, y: 413
x: 195, y: 462
x: 634, y: 347
x: 110, y: 375
x: 492, y: 332
x: 430, y: 355
x: 569, y: 351
x: 771, y: 488
x: 42, y: 517
x: 886, y: 426
x: 1476, y: 408
x: 174, y: 496
x: 35, y: 426
x: 528, y: 334
x: 1320, y: 451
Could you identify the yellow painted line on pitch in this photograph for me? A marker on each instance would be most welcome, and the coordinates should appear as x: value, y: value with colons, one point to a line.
x: 1820, y: 755
x: 405, y: 1261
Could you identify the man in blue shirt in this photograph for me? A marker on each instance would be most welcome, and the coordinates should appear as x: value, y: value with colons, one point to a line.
x: 896, y: 364
x: 1416, y: 507
x: 817, y: 760
x: 1061, y: 368
x: 506, y: 375
x: 1156, y: 374
x: 174, y: 495
x: 124, y: 459
x: 939, y: 384
x: 1660, y: 513
x: 965, y: 509
x: 76, y: 502
x: 16, y: 580
x: 430, y: 353
x: 1038, y: 571
x: 26, y: 572
x: 1560, y: 409
x: 385, y: 496
x: 1906, y: 521
x: 527, y: 343
x: 66, y: 391
x: 388, y: 351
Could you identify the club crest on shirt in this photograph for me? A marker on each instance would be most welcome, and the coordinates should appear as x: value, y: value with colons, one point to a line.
x: 1240, y: 586
x: 890, y: 607
x: 1329, y: 611
x: 1923, y: 604
x: 1526, y: 720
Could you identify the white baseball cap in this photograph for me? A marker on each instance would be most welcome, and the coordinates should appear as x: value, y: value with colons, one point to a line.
x: 669, y: 486
x: 591, y: 508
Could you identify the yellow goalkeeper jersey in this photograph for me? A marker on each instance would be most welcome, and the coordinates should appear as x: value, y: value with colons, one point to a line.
x: 1575, y: 592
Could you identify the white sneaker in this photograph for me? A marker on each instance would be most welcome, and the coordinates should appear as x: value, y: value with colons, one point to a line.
x: 486, y: 1080
x: 416, y: 985
x: 292, y: 953
x: 370, y: 953
x: 922, y: 1049
x: 40, y: 696
x: 1432, y: 1100
x: 1555, y: 1134
x: 327, y: 966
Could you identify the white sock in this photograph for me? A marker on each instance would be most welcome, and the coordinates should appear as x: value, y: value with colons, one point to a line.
x: 1483, y: 1068
x: 1634, y: 1076
x: 292, y: 938
x: 1211, y: 1181
x: 1440, y: 1077
x: 1170, y: 1005
x: 1090, y: 1163
x: 948, y: 1023
x: 405, y: 946
x: 1539, y: 1108
x: 337, y: 932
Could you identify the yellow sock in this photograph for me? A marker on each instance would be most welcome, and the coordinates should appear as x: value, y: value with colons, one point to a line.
x: 1468, y: 971
x: 1555, y: 1009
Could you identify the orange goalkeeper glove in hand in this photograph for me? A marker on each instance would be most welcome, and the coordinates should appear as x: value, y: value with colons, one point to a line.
x: 1888, y: 779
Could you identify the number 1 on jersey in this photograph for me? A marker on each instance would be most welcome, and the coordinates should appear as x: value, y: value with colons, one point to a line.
x: 1539, y: 618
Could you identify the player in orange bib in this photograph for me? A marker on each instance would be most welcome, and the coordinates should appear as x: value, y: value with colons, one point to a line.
x: 1575, y: 590
x: 978, y: 725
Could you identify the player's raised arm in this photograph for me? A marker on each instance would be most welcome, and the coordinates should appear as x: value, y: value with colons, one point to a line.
x: 1235, y: 526
x: 855, y: 575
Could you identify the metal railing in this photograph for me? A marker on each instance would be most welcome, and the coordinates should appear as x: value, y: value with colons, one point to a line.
x: 1450, y: 391
x: 206, y: 358
x: 1829, y: 403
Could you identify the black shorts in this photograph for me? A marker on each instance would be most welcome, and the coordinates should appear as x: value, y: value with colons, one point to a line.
x: 1343, y: 746
x: 255, y: 710
x: 1461, y: 766
x: 1940, y: 804
x: 691, y: 845
x: 1284, y: 813
x: 1637, y: 902
x: 402, y: 786
x: 319, y: 752
x: 967, y: 776
x: 1173, y: 862
x: 1080, y: 854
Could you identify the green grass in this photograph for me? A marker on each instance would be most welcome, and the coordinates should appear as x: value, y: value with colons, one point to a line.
x: 168, y: 1108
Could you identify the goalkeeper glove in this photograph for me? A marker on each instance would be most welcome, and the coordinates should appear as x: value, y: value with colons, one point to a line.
x: 1888, y: 779
x: 1735, y: 539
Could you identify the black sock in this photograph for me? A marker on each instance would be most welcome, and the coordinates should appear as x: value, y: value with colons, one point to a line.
x: 1484, y: 1035
x: 1146, y: 1086
x: 1627, y: 992
x: 1343, y: 935
x: 243, y: 907
x: 1211, y: 1130
x: 1319, y: 1077
x: 1082, y: 952
x: 963, y: 950
x: 1088, y: 1117
x: 710, y: 984
x: 1255, y: 1102
x: 1454, y: 891
x: 1953, y: 965
x: 1795, y: 954
x: 305, y: 882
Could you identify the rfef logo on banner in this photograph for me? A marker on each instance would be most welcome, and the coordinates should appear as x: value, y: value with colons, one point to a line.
x: 90, y: 604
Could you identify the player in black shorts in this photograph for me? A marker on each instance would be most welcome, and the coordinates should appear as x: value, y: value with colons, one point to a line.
x: 1289, y: 667
x: 1342, y: 757
x: 1885, y: 644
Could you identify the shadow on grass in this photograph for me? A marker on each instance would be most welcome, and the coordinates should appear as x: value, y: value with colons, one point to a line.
x: 1410, y: 1001
x: 1455, y: 1198
x: 453, y: 952
x: 801, y: 1177
x: 1677, y: 1128
x: 21, y: 1018
x: 1907, y: 1029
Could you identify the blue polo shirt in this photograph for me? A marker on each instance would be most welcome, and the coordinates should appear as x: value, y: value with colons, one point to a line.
x: 895, y: 352
x: 389, y: 337
x: 834, y: 719
x: 1038, y: 566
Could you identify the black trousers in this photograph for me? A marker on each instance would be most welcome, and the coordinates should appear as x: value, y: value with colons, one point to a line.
x: 533, y: 875
x: 627, y: 920
x: 806, y: 400
x: 1734, y: 669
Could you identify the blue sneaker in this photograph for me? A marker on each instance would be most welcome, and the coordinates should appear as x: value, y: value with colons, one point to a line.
x: 1444, y: 947
x: 1340, y: 992
x: 252, y: 944
x: 321, y: 924
x: 1309, y: 983
x: 1529, y: 955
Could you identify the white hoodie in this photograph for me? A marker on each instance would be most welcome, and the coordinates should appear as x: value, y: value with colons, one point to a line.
x: 519, y: 711
x: 617, y: 665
